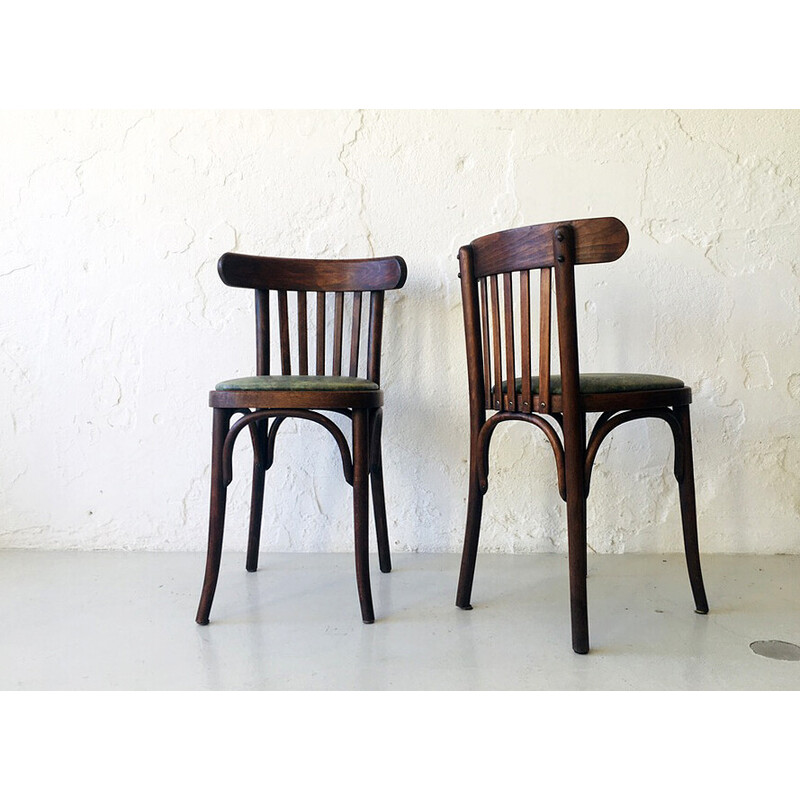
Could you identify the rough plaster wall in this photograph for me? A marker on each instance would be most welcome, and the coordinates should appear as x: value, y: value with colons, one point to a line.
x: 115, y: 325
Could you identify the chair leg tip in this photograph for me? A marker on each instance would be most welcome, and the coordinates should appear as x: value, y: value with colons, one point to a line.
x: 464, y: 606
x: 386, y: 570
x: 580, y: 644
x: 251, y: 569
x: 201, y: 620
x: 368, y: 621
x: 702, y: 611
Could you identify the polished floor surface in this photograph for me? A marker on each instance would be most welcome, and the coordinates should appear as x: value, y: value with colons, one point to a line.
x: 125, y: 621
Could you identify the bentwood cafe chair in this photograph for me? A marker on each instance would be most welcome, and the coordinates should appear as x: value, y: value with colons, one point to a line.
x: 496, y: 274
x: 314, y: 386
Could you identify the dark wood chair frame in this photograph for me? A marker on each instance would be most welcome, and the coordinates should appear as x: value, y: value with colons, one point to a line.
x: 263, y: 411
x: 491, y: 349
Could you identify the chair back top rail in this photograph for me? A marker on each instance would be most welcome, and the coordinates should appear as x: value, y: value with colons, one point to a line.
x: 323, y: 275
x: 301, y: 329
x: 597, y: 240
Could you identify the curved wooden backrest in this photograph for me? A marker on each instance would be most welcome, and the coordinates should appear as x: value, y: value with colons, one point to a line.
x: 597, y: 240
x: 316, y: 275
x: 336, y: 286
x: 496, y: 298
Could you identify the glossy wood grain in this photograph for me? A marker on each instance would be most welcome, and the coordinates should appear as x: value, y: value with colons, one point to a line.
x: 495, y: 357
x: 302, y: 336
x: 598, y: 240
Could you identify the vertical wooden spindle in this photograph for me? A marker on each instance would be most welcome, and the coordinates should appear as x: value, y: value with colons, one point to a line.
x: 338, y: 319
x: 302, y: 333
x: 525, y: 336
x: 487, y: 359
x: 508, y: 315
x: 262, y: 332
x: 320, y: 333
x: 355, y: 334
x: 544, y: 340
x: 283, y: 322
x: 498, y: 370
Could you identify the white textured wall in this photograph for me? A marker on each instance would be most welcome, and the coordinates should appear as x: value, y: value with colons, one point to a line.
x: 115, y: 325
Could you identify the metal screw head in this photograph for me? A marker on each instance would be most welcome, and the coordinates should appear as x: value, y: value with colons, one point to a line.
x: 559, y: 237
x: 560, y: 259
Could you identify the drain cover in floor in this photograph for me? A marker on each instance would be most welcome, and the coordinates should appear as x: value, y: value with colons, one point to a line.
x: 772, y: 648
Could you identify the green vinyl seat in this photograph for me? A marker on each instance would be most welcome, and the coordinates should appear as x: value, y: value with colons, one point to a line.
x: 604, y: 383
x: 297, y: 383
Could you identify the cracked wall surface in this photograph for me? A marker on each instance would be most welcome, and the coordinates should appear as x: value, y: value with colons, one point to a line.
x: 114, y: 324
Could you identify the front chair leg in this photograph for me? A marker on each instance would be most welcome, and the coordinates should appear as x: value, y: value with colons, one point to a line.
x: 378, y: 497
x: 361, y: 510
x: 689, y: 513
x: 216, y: 522
x: 471, y: 534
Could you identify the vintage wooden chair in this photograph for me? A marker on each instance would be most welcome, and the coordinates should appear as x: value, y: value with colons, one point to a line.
x: 501, y: 380
x: 266, y: 400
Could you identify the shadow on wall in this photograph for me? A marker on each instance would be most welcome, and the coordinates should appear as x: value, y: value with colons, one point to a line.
x: 426, y: 422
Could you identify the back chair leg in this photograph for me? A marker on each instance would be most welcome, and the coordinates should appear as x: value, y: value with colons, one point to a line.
x: 256, y: 497
x: 361, y: 510
x: 576, y: 539
x: 575, y: 454
x: 256, y: 510
x: 471, y: 535
x: 216, y: 522
x: 378, y: 498
x: 689, y: 513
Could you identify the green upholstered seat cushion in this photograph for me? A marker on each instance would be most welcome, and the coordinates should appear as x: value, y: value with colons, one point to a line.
x: 606, y: 383
x: 297, y: 383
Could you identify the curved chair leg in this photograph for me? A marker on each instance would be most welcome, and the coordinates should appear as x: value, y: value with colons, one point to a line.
x: 257, y: 496
x: 689, y: 513
x: 216, y: 522
x: 472, y: 533
x: 361, y: 510
x: 574, y: 455
x: 378, y: 497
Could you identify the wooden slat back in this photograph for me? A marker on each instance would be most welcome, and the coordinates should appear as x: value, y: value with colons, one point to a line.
x: 346, y: 281
x: 504, y: 350
x: 326, y: 337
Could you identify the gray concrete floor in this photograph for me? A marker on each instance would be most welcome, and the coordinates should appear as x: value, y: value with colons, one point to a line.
x: 125, y: 621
